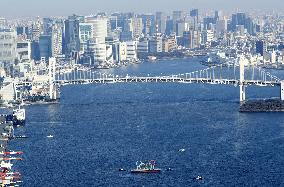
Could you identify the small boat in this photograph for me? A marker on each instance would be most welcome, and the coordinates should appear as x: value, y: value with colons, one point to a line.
x: 19, y: 116
x: 148, y: 167
x: 50, y: 136
x: 198, y: 178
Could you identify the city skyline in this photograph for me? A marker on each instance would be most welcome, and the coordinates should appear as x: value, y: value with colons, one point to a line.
x: 55, y: 8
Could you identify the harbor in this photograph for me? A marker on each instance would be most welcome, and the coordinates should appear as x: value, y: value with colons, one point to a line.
x: 206, y: 121
x: 9, y: 177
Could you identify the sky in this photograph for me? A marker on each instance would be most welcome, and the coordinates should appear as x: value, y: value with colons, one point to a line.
x: 31, y: 8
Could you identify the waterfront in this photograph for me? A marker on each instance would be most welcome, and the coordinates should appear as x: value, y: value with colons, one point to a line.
x: 99, y: 129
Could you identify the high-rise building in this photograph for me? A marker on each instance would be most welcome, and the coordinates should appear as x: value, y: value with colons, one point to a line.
x: 86, y: 33
x: 177, y: 16
x: 113, y: 22
x: 137, y: 26
x: 45, y: 46
x: 218, y: 15
x: 127, y: 31
x: 194, y: 14
x: 143, y: 47
x: 207, y: 36
x: 208, y: 23
x: 119, y: 51
x: 181, y: 26
x: 3, y: 22
x: 169, y: 26
x: 100, y: 31
x: 97, y: 51
x: 36, y: 30
x: 24, y: 50
x: 71, y: 36
x: 131, y: 50
x: 8, y: 43
x: 56, y: 39
x: 260, y: 47
x: 221, y: 27
x: 237, y: 19
x: 47, y: 26
x: 22, y: 30
x: 156, y: 44
x: 149, y: 24
x: 161, y: 20
x: 191, y: 39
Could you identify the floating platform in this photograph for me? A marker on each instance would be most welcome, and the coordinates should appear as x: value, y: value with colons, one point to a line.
x: 269, y: 105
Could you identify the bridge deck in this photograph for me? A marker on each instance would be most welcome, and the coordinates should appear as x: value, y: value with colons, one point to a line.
x: 164, y: 80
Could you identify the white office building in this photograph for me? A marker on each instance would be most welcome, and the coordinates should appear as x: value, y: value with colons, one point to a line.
x: 131, y: 50
x: 99, y: 28
x: 8, y: 44
x: 24, y: 50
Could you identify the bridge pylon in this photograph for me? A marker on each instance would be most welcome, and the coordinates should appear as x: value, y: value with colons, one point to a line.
x: 52, y: 71
x: 242, y: 79
x: 282, y: 90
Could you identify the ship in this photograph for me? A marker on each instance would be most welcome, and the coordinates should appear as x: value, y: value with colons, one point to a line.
x: 147, y: 167
x: 19, y: 116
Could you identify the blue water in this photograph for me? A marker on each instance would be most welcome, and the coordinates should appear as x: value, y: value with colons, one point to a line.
x: 98, y: 129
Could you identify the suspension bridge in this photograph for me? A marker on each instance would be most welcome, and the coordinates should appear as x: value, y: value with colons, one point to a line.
x: 234, y: 74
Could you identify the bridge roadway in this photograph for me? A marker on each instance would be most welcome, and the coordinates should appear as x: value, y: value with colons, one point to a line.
x: 164, y: 79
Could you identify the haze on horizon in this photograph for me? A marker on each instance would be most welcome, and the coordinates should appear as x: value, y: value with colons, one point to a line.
x: 30, y: 8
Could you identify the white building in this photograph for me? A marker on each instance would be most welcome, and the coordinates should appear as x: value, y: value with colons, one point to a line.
x: 97, y: 50
x: 8, y: 41
x: 99, y: 28
x: 24, y: 50
x: 131, y: 50
x: 137, y: 26
x: 56, y: 40
x: 208, y: 36
x: 119, y: 52
x: 2, y: 22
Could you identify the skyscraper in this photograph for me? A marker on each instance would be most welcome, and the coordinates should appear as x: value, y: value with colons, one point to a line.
x: 8, y: 41
x: 86, y: 33
x: 161, y: 21
x: 195, y: 16
x: 260, y: 47
x: 100, y: 26
x: 177, y: 16
x: 137, y: 26
x: 45, y: 46
x: 56, y: 39
x: 71, y: 37
x: 36, y: 30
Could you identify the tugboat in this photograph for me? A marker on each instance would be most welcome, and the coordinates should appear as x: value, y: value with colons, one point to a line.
x: 148, y: 167
x: 19, y: 116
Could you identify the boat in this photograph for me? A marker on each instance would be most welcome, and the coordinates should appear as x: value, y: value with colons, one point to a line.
x: 152, y: 58
x: 198, y: 178
x: 147, y: 167
x: 50, y: 136
x: 19, y: 116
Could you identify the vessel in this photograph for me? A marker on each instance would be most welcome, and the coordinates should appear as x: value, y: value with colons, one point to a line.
x: 147, y: 167
x: 19, y: 116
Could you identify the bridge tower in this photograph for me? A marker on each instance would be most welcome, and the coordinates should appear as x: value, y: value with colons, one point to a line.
x: 282, y: 90
x: 242, y: 80
x: 52, y: 87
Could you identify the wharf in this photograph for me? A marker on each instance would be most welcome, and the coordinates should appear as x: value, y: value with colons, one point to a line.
x: 270, y: 105
x: 3, y: 129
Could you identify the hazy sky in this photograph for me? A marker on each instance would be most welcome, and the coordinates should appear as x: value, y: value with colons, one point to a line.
x: 25, y: 8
